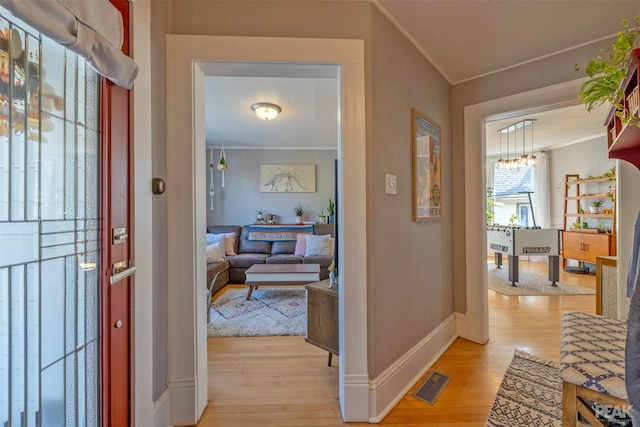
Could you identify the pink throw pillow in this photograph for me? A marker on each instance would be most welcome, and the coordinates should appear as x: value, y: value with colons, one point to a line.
x: 301, y: 244
x: 230, y: 243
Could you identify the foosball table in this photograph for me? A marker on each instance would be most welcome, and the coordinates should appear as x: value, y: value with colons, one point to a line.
x: 521, y: 241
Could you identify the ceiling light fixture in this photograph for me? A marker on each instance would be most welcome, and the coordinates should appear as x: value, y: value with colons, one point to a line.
x: 524, y: 159
x: 265, y: 110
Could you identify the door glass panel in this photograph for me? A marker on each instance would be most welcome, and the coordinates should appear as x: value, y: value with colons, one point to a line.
x: 49, y: 233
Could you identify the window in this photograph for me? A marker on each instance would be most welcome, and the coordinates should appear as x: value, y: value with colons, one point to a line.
x: 510, y: 190
x: 49, y: 236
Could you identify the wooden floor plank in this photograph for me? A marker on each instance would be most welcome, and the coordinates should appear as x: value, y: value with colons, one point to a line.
x: 283, y: 381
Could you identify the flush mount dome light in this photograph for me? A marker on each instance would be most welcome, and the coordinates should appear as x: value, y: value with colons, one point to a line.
x: 266, y: 111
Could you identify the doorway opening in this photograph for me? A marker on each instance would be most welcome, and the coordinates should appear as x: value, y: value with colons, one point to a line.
x: 188, y: 60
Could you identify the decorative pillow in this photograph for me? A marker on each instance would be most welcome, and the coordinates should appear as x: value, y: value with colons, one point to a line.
x: 230, y: 244
x: 213, y: 253
x: 220, y: 239
x: 301, y: 244
x: 317, y: 245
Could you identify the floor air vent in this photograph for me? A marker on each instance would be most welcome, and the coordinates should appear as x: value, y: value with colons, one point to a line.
x: 432, y: 387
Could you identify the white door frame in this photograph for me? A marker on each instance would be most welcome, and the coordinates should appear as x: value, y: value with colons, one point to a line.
x: 476, y: 326
x: 187, y: 58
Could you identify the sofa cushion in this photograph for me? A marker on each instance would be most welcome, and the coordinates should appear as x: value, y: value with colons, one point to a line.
x: 247, y: 246
x: 247, y: 260
x: 284, y: 259
x: 301, y: 245
x: 214, y: 253
x: 215, y: 267
x: 220, y: 239
x: 283, y: 247
x: 224, y: 229
x: 317, y: 245
x: 324, y: 261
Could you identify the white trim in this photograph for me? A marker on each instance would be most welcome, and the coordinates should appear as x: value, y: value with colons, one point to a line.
x: 187, y: 56
x: 183, y: 404
x: 476, y: 323
x: 395, y: 382
x: 142, y: 283
x: 162, y: 409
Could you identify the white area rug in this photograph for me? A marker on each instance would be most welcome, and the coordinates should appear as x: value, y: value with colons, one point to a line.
x: 271, y: 311
x: 531, y: 284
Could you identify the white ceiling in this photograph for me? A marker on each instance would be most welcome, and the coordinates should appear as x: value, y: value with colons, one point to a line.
x: 505, y: 33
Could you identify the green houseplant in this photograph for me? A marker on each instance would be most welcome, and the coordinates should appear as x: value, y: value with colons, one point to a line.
x: 331, y: 210
x: 299, y: 210
x: 608, y: 69
x: 322, y: 219
x: 596, y: 205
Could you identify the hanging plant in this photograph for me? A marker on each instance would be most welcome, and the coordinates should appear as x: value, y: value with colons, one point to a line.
x: 608, y: 70
x: 222, y: 162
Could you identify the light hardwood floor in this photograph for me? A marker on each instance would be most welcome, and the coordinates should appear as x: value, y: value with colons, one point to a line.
x: 283, y: 381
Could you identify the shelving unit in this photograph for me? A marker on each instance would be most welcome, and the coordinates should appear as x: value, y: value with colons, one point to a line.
x: 585, y: 244
x: 623, y: 140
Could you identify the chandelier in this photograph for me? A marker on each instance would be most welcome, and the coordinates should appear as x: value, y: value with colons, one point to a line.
x: 524, y: 160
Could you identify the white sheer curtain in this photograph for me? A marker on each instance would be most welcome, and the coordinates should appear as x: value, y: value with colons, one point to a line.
x: 540, y: 199
x: 93, y: 29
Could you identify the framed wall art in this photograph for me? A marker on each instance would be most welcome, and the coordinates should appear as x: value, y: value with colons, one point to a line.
x: 287, y: 178
x: 427, y: 174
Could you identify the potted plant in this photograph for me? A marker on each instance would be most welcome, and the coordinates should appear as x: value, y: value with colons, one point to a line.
x: 322, y: 219
x: 607, y: 71
x: 331, y: 210
x: 259, y: 214
x: 595, y: 206
x: 299, y: 210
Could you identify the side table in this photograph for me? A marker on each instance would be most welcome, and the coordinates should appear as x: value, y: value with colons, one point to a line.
x: 322, y: 317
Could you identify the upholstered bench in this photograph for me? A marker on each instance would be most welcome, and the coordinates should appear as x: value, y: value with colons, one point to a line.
x: 591, y: 366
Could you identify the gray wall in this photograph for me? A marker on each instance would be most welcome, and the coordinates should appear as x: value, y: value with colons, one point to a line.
x: 585, y: 159
x: 236, y: 203
x: 410, y: 267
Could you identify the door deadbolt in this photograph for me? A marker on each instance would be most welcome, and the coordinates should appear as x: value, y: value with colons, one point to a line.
x: 118, y: 324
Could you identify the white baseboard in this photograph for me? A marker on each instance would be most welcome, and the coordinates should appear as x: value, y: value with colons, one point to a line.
x: 183, y: 406
x: 355, y: 407
x: 471, y: 326
x: 388, y: 388
x: 162, y: 410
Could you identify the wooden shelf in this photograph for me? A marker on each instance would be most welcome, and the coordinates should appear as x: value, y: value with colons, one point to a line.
x: 590, y: 180
x: 585, y: 244
x: 623, y: 140
x: 589, y: 196
x: 589, y: 215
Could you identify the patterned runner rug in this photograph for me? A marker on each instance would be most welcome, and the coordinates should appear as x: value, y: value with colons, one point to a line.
x: 530, y: 394
x: 530, y: 284
x: 271, y: 311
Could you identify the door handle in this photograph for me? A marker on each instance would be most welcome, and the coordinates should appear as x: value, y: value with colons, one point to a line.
x: 122, y: 274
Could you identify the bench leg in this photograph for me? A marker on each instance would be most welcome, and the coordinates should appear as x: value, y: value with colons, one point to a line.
x: 569, y: 406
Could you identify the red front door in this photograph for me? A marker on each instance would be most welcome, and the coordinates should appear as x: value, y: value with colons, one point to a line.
x: 117, y: 236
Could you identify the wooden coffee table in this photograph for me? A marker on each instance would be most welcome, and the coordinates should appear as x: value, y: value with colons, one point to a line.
x: 280, y: 275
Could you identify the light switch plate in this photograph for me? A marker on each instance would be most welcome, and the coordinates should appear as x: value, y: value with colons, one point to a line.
x: 390, y: 184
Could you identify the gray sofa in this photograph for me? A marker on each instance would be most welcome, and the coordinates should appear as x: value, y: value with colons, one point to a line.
x: 233, y: 268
